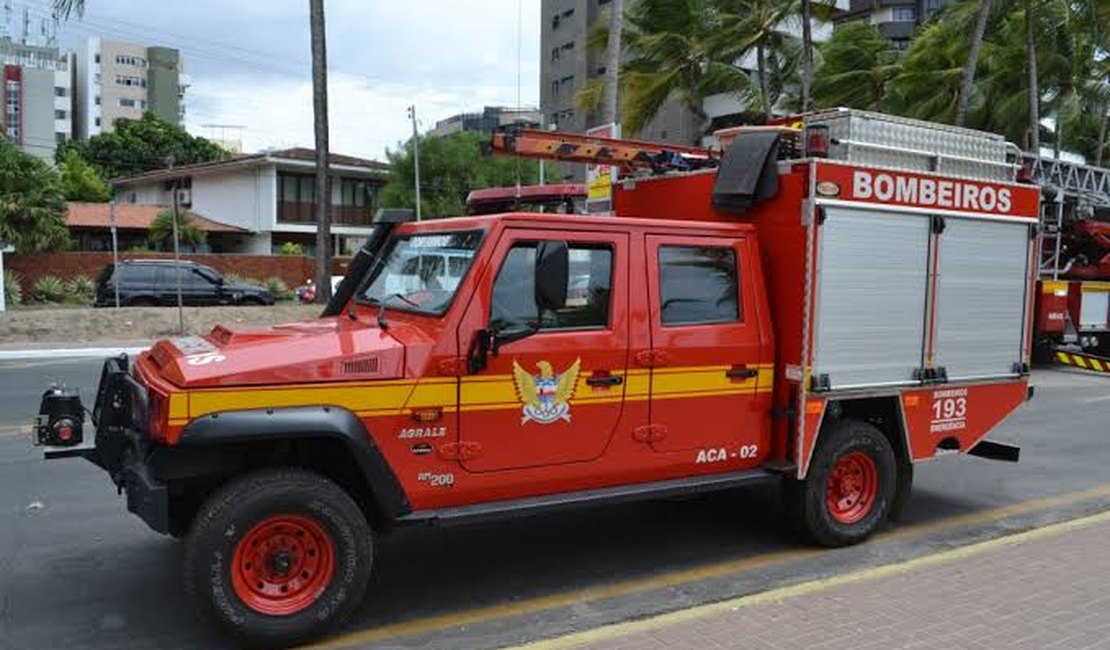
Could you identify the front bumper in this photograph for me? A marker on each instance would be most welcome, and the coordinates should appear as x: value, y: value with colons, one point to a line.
x: 121, y: 445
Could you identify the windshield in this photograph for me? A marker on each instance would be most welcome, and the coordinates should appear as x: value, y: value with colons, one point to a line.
x: 425, y: 269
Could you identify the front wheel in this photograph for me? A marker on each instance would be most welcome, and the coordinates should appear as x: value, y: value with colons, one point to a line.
x: 850, y: 487
x: 278, y: 557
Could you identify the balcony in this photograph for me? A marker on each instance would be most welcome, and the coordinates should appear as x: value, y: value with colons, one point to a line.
x: 341, y: 215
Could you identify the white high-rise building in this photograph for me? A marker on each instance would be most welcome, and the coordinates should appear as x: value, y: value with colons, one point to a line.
x: 122, y: 80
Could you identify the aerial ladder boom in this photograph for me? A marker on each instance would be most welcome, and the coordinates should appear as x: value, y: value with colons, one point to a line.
x: 592, y: 150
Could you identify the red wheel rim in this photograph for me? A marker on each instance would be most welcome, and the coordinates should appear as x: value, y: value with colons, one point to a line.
x: 283, y: 564
x: 852, y: 486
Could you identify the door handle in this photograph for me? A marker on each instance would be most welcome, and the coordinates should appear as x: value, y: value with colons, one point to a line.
x: 605, y: 380
x: 741, y: 371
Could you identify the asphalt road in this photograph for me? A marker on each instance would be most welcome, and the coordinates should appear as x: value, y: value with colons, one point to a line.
x: 76, y: 571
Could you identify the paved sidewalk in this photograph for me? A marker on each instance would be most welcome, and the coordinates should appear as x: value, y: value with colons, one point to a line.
x: 1046, y: 588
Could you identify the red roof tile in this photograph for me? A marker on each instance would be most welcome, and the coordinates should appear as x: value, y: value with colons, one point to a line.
x: 132, y: 216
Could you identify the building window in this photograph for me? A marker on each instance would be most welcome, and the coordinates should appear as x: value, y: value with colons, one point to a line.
x: 12, y: 101
x: 97, y: 122
x: 555, y: 87
x: 59, y: 115
x: 126, y: 59
x: 567, y: 81
x: 904, y: 14
x: 131, y: 102
x: 126, y: 80
x: 555, y: 20
x: 59, y: 91
x: 60, y: 137
x: 900, y: 43
x: 96, y: 77
x: 96, y: 58
x: 97, y: 100
x: 555, y: 54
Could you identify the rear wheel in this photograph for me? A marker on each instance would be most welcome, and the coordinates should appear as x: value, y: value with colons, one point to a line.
x: 850, y: 487
x: 278, y: 557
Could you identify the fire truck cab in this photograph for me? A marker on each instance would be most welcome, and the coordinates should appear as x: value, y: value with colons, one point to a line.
x: 823, y: 302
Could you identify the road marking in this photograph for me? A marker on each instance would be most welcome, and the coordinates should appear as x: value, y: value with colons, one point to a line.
x: 68, y: 353
x: 13, y: 430
x: 617, y: 630
x: 486, y: 613
x: 1092, y: 400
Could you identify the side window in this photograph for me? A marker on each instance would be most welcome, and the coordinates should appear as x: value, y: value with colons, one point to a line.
x: 588, y: 288
x: 139, y: 274
x: 698, y: 285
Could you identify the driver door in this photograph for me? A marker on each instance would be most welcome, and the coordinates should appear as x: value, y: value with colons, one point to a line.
x: 556, y: 395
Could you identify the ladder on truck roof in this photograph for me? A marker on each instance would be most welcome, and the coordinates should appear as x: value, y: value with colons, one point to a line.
x: 572, y: 147
x: 1085, y: 184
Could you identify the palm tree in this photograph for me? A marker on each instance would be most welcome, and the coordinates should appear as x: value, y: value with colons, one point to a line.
x: 967, y: 82
x: 161, y: 230
x: 609, y: 113
x: 669, y: 55
x: 321, y: 209
x: 807, y: 54
x: 859, y: 63
x: 749, y: 26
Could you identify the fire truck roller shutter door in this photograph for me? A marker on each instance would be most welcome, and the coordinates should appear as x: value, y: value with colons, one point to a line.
x: 982, y: 281
x: 870, y: 311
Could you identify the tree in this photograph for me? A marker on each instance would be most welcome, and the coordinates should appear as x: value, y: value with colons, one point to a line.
x: 450, y: 167
x: 80, y: 180
x: 757, y: 26
x: 609, y: 113
x: 967, y: 81
x: 32, y: 207
x: 859, y: 63
x: 142, y: 145
x: 322, y: 206
x: 670, y: 54
x: 161, y: 230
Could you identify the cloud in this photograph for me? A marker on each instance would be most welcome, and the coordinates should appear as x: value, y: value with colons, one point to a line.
x: 249, y: 62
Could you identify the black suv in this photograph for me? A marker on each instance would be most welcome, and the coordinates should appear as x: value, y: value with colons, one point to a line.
x: 154, y: 282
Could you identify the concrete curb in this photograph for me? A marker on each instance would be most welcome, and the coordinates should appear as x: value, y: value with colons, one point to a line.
x: 68, y: 353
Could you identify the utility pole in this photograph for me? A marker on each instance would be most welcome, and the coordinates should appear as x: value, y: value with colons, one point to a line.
x: 115, y: 247
x: 320, y: 112
x: 177, y: 251
x: 415, y: 156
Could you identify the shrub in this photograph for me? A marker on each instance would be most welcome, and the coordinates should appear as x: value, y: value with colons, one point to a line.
x: 13, y: 288
x: 291, y: 248
x: 48, y: 288
x: 277, y: 286
x: 81, y: 286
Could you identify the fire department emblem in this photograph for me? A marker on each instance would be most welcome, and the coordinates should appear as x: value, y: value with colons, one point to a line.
x: 546, y: 396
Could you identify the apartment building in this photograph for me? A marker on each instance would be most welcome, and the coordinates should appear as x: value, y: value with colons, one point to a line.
x: 117, y: 80
x: 896, y: 19
x: 38, y: 96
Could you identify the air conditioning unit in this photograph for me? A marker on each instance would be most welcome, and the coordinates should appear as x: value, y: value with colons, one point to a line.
x: 185, y: 197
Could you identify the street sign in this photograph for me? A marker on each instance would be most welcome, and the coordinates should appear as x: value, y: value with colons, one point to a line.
x: 601, y: 178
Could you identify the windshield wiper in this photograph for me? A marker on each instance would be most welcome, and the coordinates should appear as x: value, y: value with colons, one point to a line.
x: 381, y: 308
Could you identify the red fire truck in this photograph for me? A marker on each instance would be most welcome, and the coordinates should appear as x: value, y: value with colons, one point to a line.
x: 1073, y: 300
x: 821, y: 303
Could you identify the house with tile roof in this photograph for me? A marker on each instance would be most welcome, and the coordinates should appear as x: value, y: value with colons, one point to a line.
x: 90, y: 225
x: 269, y: 196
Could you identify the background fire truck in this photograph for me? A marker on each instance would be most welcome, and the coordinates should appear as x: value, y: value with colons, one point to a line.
x: 1073, y: 298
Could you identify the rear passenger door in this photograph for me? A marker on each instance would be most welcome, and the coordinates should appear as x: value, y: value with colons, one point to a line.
x: 706, y: 351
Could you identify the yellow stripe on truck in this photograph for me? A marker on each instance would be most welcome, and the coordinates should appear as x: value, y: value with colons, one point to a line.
x: 475, y: 393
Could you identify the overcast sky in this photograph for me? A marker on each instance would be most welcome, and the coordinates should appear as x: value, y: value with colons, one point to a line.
x: 249, y: 61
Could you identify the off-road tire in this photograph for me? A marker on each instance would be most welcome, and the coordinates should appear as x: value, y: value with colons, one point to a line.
x: 237, y: 509
x: 806, y: 500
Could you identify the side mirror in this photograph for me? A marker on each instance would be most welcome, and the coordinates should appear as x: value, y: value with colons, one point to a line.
x: 552, y: 275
